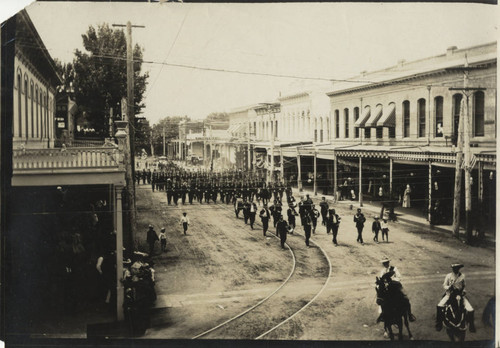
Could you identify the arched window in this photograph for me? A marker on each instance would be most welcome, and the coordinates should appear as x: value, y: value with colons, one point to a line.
x: 421, y: 117
x: 19, y: 103
x: 478, y: 114
x: 356, y: 116
x: 337, y: 124
x: 438, y: 117
x: 406, y: 119
x: 346, y: 118
x: 457, y: 100
x: 26, y: 113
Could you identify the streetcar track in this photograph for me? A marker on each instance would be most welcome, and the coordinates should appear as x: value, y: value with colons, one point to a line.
x: 228, y: 207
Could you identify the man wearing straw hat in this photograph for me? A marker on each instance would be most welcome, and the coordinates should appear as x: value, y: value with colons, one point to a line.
x: 392, y: 274
x: 454, y: 281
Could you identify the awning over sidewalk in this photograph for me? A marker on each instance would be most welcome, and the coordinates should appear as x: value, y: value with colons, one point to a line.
x: 388, y: 119
x: 364, y: 117
x: 372, y: 121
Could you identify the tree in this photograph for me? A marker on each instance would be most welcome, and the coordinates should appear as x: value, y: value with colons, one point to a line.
x: 170, y: 125
x: 221, y: 117
x: 142, y: 137
x: 99, y: 76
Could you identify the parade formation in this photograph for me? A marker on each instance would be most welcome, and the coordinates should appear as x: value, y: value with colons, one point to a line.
x: 250, y: 196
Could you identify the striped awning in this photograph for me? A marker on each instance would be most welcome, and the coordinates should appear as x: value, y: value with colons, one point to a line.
x: 364, y: 116
x: 372, y: 121
x: 388, y: 119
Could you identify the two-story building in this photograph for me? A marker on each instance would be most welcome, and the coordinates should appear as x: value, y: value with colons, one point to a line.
x: 62, y: 207
x: 398, y: 126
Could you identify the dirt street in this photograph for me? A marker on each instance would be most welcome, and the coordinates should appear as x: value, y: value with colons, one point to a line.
x: 222, y: 268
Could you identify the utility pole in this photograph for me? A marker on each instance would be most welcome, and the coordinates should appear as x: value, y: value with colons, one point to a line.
x: 463, y: 142
x: 129, y: 157
x: 163, y: 140
x: 152, y: 147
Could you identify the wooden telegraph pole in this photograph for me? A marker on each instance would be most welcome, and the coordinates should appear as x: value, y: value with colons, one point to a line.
x: 129, y: 153
x: 464, y: 159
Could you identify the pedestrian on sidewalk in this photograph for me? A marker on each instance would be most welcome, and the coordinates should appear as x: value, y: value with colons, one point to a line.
x: 332, y: 224
x: 360, y: 219
x: 163, y: 239
x: 385, y: 230
x: 184, y: 222
x: 376, y: 227
x: 282, y: 229
x: 406, y: 197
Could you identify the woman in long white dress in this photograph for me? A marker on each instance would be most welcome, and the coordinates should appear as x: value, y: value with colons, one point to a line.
x: 406, y: 197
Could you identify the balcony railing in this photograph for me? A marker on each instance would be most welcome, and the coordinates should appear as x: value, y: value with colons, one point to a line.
x: 70, y: 158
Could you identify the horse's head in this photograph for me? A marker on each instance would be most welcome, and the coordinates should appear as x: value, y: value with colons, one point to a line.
x: 455, y: 311
x: 381, y: 287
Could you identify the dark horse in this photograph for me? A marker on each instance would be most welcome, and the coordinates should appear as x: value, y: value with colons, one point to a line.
x: 394, y: 306
x: 455, y: 317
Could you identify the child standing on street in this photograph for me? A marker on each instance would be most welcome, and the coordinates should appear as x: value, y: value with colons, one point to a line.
x: 385, y: 230
x: 163, y: 239
x: 184, y: 222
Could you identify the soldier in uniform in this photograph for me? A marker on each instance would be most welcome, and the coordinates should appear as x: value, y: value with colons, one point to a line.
x: 291, y: 213
x: 314, y: 214
x: 307, y: 227
x: 324, y: 210
x: 251, y: 213
x: 332, y: 224
x: 191, y: 192
x: 153, y: 180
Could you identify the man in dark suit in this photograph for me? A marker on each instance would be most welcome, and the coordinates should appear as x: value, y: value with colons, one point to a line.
x: 264, y: 217
x: 282, y: 229
x: 360, y: 219
x: 332, y: 224
x: 376, y: 227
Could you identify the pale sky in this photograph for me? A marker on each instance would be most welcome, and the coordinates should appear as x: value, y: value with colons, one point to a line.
x: 323, y: 40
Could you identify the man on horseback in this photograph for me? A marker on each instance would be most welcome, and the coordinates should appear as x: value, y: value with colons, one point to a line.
x: 391, y: 274
x: 454, y: 281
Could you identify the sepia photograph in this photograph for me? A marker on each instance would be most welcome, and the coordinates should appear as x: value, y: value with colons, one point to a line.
x: 257, y: 174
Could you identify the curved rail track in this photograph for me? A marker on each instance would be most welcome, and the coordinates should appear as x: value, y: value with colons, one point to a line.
x: 243, y: 325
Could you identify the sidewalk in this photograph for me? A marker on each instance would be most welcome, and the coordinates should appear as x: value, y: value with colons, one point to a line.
x: 408, y: 216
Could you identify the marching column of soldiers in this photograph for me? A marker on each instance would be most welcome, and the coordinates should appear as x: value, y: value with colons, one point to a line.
x: 245, y: 191
x: 202, y: 186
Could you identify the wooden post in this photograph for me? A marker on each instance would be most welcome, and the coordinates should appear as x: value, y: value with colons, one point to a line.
x: 163, y: 140
x: 335, y: 184
x: 429, y: 206
x: 315, y: 185
x: 119, y: 255
x: 299, y: 173
x: 282, y: 176
x: 480, y: 199
x: 360, y: 181
x: 467, y: 158
x: 391, y: 163
x: 458, y: 175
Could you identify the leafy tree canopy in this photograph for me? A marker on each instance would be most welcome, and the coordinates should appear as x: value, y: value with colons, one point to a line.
x: 99, y: 75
